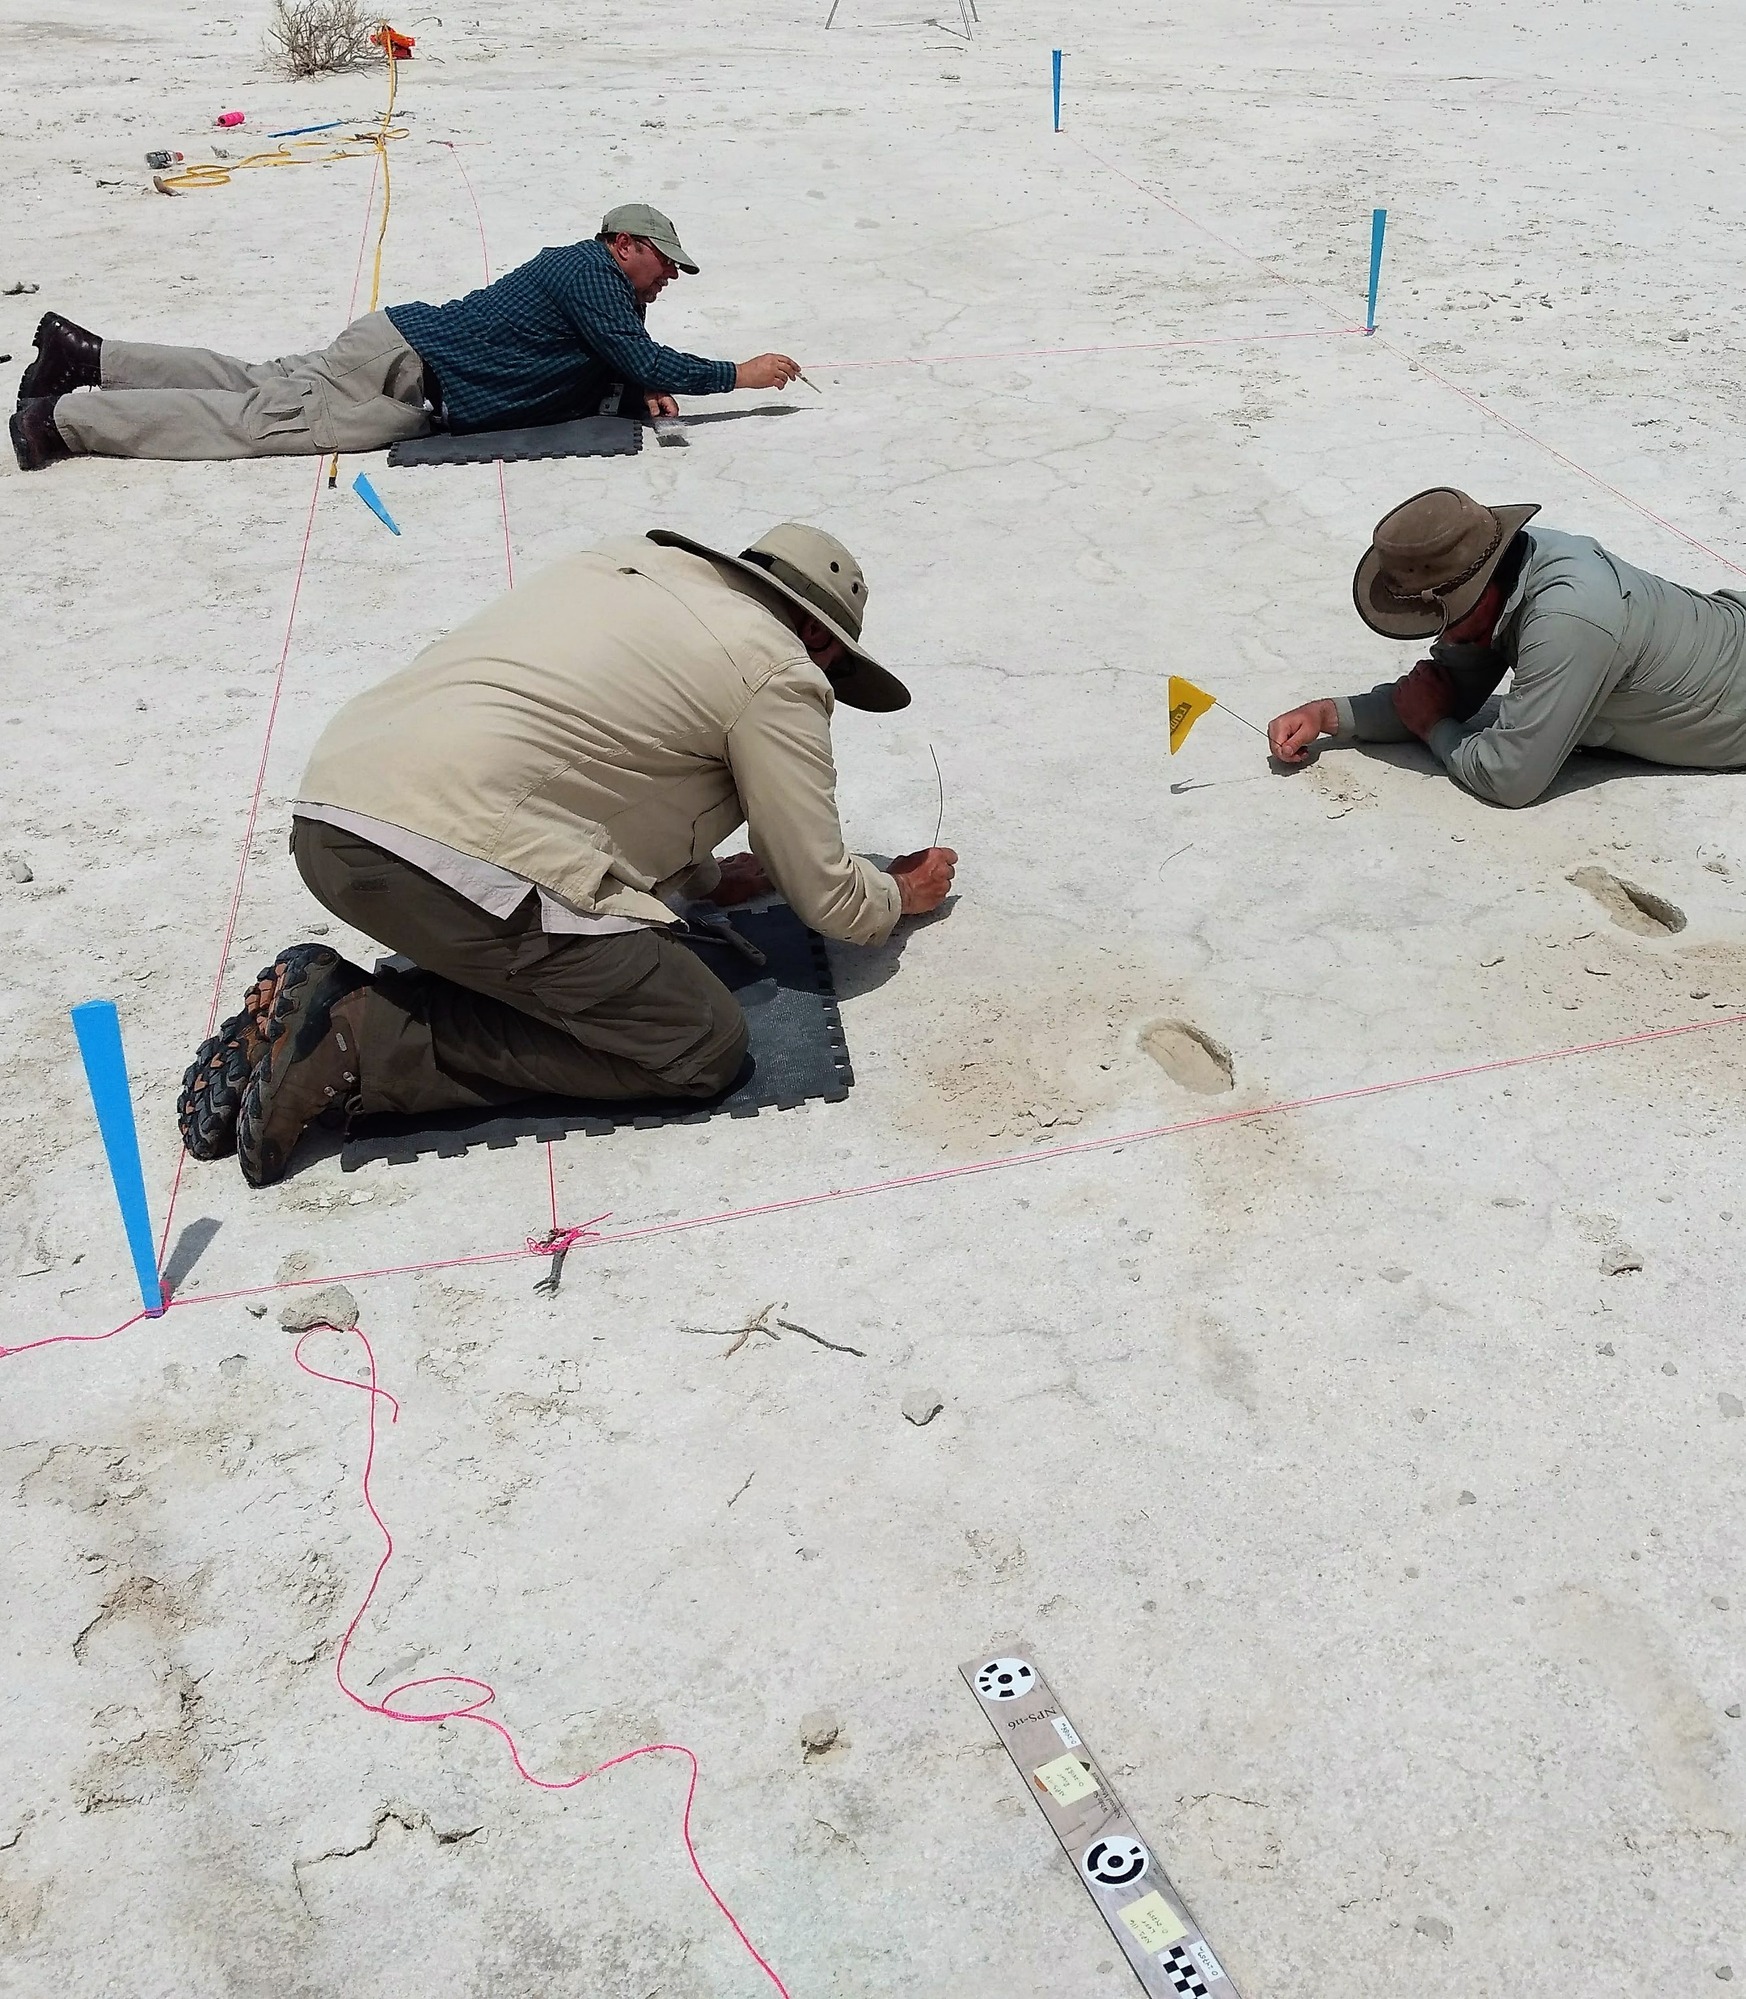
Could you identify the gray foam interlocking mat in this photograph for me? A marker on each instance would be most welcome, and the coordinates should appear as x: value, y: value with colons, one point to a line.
x: 585, y: 437
x: 798, y: 1054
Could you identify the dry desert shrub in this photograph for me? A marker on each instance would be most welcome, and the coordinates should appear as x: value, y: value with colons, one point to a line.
x: 320, y: 37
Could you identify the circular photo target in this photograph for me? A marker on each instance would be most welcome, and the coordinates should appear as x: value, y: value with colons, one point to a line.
x: 1005, y: 1680
x: 1113, y: 1862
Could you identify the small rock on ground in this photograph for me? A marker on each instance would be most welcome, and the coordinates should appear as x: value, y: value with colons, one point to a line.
x: 332, y: 1306
x: 819, y: 1731
x: 1435, y: 1928
x: 922, y: 1405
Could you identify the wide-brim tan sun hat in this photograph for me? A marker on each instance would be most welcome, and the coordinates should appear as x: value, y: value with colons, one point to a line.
x: 816, y: 572
x: 1429, y: 561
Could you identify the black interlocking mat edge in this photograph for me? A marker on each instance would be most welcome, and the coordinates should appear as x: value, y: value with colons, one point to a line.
x: 583, y: 437
x: 400, y: 1141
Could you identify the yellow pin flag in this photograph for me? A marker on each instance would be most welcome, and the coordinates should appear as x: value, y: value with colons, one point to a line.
x: 1188, y: 704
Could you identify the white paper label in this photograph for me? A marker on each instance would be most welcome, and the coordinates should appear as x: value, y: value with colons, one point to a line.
x: 1204, y: 1962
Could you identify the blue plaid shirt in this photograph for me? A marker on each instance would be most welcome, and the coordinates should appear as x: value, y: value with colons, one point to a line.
x: 546, y: 342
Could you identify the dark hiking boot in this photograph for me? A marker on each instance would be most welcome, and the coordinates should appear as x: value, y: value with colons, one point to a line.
x: 34, y: 436
x: 213, y: 1086
x: 310, y: 1067
x: 67, y: 357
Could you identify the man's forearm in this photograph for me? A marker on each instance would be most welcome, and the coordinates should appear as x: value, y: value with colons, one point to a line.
x: 636, y: 358
x: 666, y: 372
x: 1370, y: 718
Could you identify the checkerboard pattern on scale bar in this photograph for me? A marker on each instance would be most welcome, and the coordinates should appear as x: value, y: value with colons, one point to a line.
x: 1183, y: 1975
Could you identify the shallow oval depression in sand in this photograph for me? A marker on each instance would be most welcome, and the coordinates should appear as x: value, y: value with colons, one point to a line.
x: 1638, y: 910
x: 1189, y: 1057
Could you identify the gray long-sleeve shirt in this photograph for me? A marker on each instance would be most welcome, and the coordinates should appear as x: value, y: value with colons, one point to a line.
x: 1599, y: 655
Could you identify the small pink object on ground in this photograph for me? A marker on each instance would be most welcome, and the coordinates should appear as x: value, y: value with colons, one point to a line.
x: 230, y: 118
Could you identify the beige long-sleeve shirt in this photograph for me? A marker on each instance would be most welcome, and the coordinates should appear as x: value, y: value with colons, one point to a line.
x: 599, y: 731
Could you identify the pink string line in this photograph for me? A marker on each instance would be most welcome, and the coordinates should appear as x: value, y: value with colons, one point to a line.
x: 1106, y: 347
x: 1413, y: 360
x: 485, y: 258
x: 1563, y: 457
x: 76, y: 1339
x: 562, y: 1238
x: 1226, y: 242
x: 589, y: 1235
x: 482, y: 1693
x: 254, y: 811
x: 1087, y: 1145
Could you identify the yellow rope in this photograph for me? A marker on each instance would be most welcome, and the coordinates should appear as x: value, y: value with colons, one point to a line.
x: 300, y: 152
x: 385, y: 131
x: 317, y: 153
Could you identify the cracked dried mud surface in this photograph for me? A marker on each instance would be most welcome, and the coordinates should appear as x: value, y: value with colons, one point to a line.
x: 1367, y: 1478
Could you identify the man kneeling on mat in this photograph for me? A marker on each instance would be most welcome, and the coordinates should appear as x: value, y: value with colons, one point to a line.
x: 1599, y: 654
x: 548, y: 342
x: 516, y: 811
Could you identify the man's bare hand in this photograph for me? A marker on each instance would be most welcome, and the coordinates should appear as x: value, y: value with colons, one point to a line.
x: 1290, y: 735
x: 923, y: 880
x: 742, y: 880
x: 766, y: 371
x: 1424, y: 697
x: 660, y: 405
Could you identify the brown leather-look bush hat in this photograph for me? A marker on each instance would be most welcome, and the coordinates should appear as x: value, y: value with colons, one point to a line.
x: 1429, y: 562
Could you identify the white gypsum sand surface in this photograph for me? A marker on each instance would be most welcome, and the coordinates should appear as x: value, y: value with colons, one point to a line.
x: 1379, y: 1525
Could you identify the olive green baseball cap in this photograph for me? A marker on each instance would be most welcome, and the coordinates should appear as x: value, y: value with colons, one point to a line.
x: 637, y: 218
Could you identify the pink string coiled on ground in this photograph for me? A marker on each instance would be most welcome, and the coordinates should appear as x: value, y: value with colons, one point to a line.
x: 480, y: 1694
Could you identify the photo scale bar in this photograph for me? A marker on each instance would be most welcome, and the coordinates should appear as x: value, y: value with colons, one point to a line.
x: 1161, y: 1941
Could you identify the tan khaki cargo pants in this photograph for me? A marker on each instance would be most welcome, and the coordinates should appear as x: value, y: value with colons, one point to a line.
x: 362, y: 393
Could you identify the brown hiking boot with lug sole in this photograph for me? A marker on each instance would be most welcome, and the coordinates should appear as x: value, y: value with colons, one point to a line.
x: 309, y: 1069
x: 213, y: 1085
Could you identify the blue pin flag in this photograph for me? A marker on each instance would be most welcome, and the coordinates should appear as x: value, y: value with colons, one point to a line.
x: 1057, y: 56
x: 1378, y: 223
x: 297, y: 131
x: 373, y: 500
x: 98, y: 1027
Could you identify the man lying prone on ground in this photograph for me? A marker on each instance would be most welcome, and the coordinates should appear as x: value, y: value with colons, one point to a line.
x: 1597, y: 653
x: 517, y: 811
x: 552, y: 340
